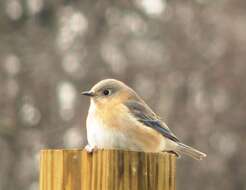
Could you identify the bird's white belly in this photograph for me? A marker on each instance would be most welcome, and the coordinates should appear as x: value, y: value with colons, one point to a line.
x: 101, y: 136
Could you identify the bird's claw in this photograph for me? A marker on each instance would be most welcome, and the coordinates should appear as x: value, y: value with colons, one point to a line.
x: 90, y: 148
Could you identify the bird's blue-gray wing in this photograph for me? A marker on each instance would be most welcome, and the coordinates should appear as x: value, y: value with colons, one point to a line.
x: 147, y: 117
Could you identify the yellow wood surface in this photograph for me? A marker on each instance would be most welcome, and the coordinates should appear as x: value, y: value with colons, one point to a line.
x: 106, y: 170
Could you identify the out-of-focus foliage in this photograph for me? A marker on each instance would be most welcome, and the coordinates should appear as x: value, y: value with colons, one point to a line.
x: 186, y: 58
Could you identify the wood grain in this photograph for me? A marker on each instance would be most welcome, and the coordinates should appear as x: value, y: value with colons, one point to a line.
x: 106, y: 170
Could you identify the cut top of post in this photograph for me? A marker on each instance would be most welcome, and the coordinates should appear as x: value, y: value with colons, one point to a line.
x: 106, y: 170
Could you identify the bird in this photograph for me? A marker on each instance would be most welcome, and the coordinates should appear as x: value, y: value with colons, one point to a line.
x: 118, y: 118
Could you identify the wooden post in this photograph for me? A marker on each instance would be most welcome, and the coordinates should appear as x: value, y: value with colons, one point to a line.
x: 106, y: 170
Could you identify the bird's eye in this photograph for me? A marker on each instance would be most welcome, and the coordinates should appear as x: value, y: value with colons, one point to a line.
x: 106, y: 92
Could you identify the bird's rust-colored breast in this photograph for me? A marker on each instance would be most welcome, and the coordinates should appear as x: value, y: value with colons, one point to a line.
x: 111, y: 116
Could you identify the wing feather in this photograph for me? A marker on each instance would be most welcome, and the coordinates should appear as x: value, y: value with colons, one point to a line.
x: 147, y: 117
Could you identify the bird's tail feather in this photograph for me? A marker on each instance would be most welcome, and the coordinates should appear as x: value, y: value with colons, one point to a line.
x: 192, y: 152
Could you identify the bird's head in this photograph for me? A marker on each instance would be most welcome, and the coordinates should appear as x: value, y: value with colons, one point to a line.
x: 110, y: 91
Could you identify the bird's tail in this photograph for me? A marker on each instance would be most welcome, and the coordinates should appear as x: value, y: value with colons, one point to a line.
x: 182, y: 148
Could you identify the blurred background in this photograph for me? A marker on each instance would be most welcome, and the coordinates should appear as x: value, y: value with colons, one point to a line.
x: 185, y: 58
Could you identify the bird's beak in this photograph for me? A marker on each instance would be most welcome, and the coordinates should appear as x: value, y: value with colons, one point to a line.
x: 88, y: 93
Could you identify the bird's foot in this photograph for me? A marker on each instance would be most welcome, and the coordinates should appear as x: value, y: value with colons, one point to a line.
x: 90, y: 148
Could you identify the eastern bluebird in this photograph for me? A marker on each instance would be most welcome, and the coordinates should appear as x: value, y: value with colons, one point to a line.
x: 119, y: 119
